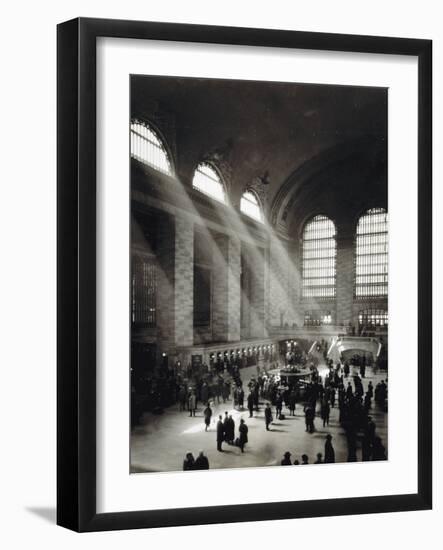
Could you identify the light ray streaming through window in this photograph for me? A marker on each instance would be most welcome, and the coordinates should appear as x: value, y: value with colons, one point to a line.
x: 207, y: 181
x: 250, y: 206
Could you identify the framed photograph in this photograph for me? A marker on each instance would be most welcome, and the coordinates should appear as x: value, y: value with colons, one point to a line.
x: 244, y: 274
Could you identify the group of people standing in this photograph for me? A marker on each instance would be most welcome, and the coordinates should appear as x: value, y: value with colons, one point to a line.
x: 329, y: 456
x: 226, y: 433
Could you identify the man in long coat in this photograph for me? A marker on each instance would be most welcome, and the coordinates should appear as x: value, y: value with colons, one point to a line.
x: 251, y: 404
x: 220, y: 434
x: 243, y: 429
x: 268, y: 416
x: 208, y: 414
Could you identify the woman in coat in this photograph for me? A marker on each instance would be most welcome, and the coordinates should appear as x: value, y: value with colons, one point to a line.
x: 243, y: 429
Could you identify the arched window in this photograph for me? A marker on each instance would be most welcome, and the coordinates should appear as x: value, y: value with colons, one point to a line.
x: 371, y: 256
x: 319, y: 258
x: 250, y: 206
x: 148, y: 148
x: 207, y: 181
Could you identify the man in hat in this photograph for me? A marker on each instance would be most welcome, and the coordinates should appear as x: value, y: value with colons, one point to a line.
x: 286, y: 460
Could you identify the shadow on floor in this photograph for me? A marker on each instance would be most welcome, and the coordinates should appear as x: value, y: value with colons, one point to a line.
x: 48, y: 514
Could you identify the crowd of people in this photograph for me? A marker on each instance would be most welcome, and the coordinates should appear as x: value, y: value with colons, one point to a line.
x: 341, y: 387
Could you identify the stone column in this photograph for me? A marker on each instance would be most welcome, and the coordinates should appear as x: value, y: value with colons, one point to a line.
x: 175, y: 254
x: 257, y: 292
x: 184, y: 282
x: 345, y: 274
x: 226, y: 289
x: 165, y: 284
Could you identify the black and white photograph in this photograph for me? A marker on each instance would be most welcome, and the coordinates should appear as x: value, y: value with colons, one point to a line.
x: 259, y: 274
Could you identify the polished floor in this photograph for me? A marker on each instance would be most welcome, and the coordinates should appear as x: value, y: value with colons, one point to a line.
x: 161, y: 441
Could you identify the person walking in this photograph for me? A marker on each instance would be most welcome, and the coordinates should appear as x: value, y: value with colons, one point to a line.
x: 243, y: 439
x: 207, y: 414
x: 325, y: 411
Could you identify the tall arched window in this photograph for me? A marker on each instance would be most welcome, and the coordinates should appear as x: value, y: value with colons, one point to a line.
x: 147, y: 147
x: 250, y: 206
x: 319, y: 258
x: 371, y: 255
x: 208, y: 181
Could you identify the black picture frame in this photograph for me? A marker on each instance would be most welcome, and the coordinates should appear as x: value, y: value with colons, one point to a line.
x: 76, y: 265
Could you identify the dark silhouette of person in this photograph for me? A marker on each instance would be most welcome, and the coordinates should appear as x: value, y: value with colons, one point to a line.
x: 366, y: 449
x: 304, y: 459
x: 220, y: 434
x: 229, y: 426
x: 329, y: 450
x: 286, y: 460
x: 243, y: 439
x: 201, y: 462
x: 325, y: 411
x: 378, y: 450
x: 268, y: 416
x: 278, y: 405
x: 319, y: 459
x: 251, y: 404
x: 188, y: 462
x: 291, y: 403
x: 207, y: 414
x: 309, y: 418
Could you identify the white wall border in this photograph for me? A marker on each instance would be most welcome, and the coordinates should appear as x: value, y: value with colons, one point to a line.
x: 116, y: 60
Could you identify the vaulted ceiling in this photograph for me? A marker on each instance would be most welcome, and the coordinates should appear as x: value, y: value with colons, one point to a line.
x: 307, y: 140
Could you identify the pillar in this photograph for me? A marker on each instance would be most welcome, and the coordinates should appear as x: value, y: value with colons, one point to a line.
x: 226, y: 289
